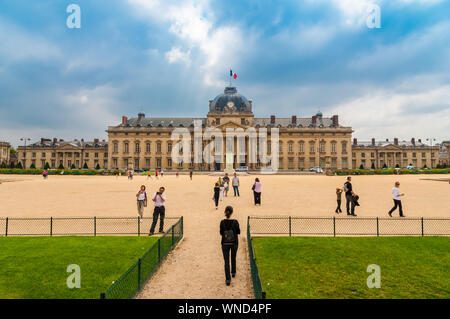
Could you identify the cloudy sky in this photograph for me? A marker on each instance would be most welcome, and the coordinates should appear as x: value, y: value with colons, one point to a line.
x: 169, y: 57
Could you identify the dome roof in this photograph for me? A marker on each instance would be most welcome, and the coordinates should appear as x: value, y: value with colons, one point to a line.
x: 230, y: 101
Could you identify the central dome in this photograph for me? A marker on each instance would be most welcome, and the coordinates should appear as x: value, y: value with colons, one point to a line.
x: 230, y: 101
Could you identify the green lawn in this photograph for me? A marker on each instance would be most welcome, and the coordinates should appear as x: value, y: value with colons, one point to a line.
x: 35, y: 267
x: 318, y: 267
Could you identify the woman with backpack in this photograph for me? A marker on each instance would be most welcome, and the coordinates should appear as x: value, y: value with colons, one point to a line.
x: 229, y: 230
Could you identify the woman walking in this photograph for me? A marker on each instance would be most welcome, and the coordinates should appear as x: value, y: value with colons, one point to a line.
x: 257, y: 189
x: 216, y: 195
x: 222, y: 188
x: 141, y: 196
x: 229, y: 230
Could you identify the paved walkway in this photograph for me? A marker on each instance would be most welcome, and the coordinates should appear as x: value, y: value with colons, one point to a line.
x: 195, y: 268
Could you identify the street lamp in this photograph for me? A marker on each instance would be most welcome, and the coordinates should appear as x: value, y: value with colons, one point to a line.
x: 25, y: 139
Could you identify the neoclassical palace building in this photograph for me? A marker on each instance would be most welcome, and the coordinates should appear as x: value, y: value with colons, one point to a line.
x: 67, y: 154
x: 145, y: 142
x: 303, y: 142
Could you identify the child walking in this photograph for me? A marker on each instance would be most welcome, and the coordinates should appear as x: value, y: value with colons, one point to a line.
x: 339, y: 200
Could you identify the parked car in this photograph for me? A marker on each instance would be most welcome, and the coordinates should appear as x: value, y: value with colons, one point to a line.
x: 316, y: 169
x: 242, y: 169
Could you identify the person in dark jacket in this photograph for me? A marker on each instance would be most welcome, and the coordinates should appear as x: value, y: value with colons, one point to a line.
x: 216, y: 194
x: 229, y: 230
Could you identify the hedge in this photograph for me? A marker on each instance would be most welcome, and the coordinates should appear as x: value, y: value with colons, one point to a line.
x: 390, y: 171
x: 51, y: 172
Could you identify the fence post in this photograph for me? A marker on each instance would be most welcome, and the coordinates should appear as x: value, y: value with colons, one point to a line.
x: 334, y: 226
x: 422, y: 226
x: 290, y: 226
x: 159, y: 250
x: 139, y: 226
x: 51, y: 226
x: 6, y: 231
x: 173, y: 238
x: 378, y: 228
x: 139, y: 274
x: 95, y: 226
x: 182, y: 225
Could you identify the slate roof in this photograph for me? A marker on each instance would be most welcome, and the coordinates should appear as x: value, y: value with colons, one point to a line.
x: 48, y: 143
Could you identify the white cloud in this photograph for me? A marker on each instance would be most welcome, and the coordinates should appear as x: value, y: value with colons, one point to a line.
x: 397, y: 114
x: 193, y: 24
x: 176, y: 55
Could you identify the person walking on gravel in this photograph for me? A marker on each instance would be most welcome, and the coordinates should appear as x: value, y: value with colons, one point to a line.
x: 159, y: 198
x: 216, y: 195
x: 229, y: 230
x: 141, y: 196
x: 236, y: 185
x: 396, y: 195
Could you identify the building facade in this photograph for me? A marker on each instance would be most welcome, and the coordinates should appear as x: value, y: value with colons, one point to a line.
x: 444, y: 154
x: 67, y: 154
x: 145, y: 142
x: 5, y: 149
x: 379, y: 154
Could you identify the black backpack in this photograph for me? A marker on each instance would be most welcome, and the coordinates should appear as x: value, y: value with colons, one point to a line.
x: 229, y: 238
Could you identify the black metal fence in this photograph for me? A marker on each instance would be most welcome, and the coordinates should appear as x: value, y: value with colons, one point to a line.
x: 132, y: 280
x: 78, y: 226
x: 256, y: 278
x: 348, y: 226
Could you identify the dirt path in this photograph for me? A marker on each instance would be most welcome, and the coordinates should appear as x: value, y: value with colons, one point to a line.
x: 195, y: 268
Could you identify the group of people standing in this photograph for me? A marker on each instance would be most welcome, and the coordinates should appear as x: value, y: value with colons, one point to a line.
x: 159, y: 211
x: 222, y: 187
x: 352, y: 198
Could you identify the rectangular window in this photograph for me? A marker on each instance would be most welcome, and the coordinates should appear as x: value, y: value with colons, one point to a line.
x: 116, y: 147
x: 344, y: 147
x: 333, y: 147
x: 147, y: 147
x: 243, y: 121
x: 86, y: 154
x: 344, y: 163
x: 147, y: 163
x: 169, y: 147
x: 290, y: 147
x: 312, y: 162
x: 169, y: 162
x: 311, y: 147
x: 158, y: 148
x: 158, y: 163
x: 137, y: 148
x: 322, y: 147
x: 126, y: 148
x: 95, y: 155
x: 301, y: 147
x: 136, y: 163
x: 43, y: 154
x: 301, y: 163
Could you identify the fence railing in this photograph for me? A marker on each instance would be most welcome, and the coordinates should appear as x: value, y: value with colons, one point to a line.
x: 130, y: 283
x: 256, y: 278
x: 78, y: 226
x: 348, y: 226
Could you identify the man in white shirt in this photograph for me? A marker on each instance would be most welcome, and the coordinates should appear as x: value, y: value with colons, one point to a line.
x: 396, y: 195
x: 235, y: 185
x: 159, y: 198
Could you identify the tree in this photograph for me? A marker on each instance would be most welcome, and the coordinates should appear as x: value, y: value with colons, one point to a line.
x: 373, y: 165
x: 361, y: 166
x: 85, y: 166
x: 97, y: 167
x: 19, y: 165
x: 3, y: 165
x: 384, y: 165
x: 46, y: 166
x: 425, y: 166
x: 61, y: 166
x: 397, y: 166
x: 32, y: 166
x: 73, y: 166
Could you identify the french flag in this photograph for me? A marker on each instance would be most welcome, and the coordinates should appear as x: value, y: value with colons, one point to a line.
x: 234, y: 75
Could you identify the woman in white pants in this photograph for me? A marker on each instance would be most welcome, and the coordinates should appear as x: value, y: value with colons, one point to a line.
x: 222, y: 188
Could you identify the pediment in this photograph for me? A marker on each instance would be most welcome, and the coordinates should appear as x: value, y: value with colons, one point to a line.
x: 230, y: 124
x: 391, y: 147
x: 68, y: 147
